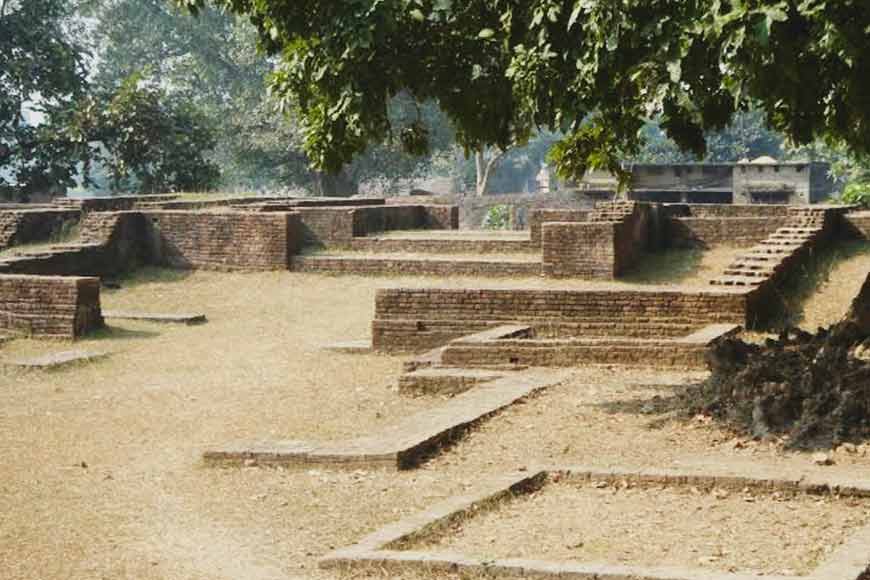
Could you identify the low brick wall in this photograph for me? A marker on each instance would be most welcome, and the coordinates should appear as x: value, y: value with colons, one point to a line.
x: 538, y: 217
x: 440, y: 217
x: 336, y: 227
x: 381, y: 266
x: 444, y: 245
x: 706, y: 232
x: 415, y: 319
x: 601, y: 249
x: 49, y: 307
x: 223, y: 241
x: 116, y: 203
x: 570, y: 353
x: 582, y: 250
x: 367, y: 220
x: 19, y: 227
x: 714, y: 210
x: 110, y: 243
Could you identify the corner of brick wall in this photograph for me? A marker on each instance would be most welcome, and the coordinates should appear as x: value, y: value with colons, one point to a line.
x: 441, y: 217
x: 49, y: 306
x: 583, y: 250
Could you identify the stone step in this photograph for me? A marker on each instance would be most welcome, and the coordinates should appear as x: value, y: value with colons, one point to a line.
x: 735, y: 281
x: 188, y: 319
x: 57, y: 360
x: 747, y: 273
x: 441, y: 381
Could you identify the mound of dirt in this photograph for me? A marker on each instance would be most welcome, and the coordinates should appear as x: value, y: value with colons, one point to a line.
x: 811, y: 389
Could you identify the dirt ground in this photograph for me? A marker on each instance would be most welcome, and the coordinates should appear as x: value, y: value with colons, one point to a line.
x: 711, y: 529
x: 100, y: 470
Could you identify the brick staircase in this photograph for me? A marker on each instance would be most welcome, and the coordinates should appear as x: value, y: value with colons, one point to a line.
x: 805, y: 229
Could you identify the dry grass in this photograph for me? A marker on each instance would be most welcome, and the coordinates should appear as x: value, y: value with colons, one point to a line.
x: 834, y: 285
x: 100, y: 475
x: 689, y: 267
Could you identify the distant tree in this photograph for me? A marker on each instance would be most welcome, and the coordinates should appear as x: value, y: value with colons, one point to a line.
x: 148, y: 141
x: 747, y: 136
x: 42, y: 70
x: 212, y: 61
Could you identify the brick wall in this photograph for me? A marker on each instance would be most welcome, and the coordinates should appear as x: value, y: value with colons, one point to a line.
x: 223, y: 241
x: 110, y: 243
x: 370, y: 220
x: 27, y: 226
x: 583, y: 250
x: 703, y: 210
x: 414, y: 319
x: 707, y: 232
x: 602, y: 249
x: 441, y: 217
x: 337, y: 226
x: 568, y: 353
x: 538, y: 217
x: 49, y: 307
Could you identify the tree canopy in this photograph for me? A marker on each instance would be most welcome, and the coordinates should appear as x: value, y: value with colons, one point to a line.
x: 595, y: 70
x: 42, y: 71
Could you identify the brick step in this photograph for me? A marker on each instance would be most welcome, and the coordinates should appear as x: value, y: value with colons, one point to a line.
x: 747, y: 273
x: 754, y: 267
x: 433, y: 265
x: 735, y: 281
x: 444, y: 380
x: 396, y: 245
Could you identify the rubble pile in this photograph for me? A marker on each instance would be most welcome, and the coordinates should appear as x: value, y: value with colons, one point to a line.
x: 808, y: 389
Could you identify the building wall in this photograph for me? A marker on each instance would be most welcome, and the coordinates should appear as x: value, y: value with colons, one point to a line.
x: 49, y: 307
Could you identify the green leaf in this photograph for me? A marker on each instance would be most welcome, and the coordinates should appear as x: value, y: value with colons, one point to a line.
x: 575, y: 14
x: 486, y: 33
x: 418, y: 15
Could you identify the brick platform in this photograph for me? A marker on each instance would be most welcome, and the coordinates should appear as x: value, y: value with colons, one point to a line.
x: 49, y: 307
x: 223, y: 241
x: 414, y: 320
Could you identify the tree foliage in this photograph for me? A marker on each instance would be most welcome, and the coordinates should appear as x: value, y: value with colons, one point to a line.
x: 42, y: 70
x: 746, y: 137
x: 148, y: 141
x: 591, y: 68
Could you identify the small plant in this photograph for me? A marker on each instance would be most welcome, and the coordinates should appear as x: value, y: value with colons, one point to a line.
x: 497, y: 218
x: 857, y: 193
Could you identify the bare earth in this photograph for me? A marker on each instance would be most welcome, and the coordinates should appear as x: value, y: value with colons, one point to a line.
x: 100, y: 470
x: 733, y: 532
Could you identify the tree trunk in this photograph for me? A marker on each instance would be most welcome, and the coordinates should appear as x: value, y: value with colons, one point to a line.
x: 484, y: 168
x: 335, y: 184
